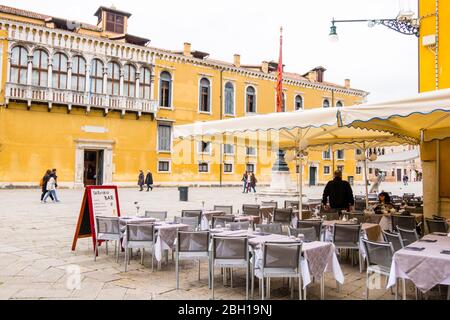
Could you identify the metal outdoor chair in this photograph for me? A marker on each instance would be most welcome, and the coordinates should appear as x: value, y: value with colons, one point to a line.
x: 232, y: 253
x: 310, y: 233
x: 239, y: 226
x: 357, y: 215
x: 283, y: 216
x: 330, y: 216
x: 360, y: 205
x: 394, y: 239
x: 347, y: 237
x: 158, y: 215
x: 433, y: 226
x: 221, y: 220
x: 408, y: 196
x: 312, y: 207
x: 251, y: 210
x: 192, y: 245
x: 291, y: 204
x: 139, y: 236
x: 193, y: 214
x: 192, y: 222
x: 107, y: 229
x: 273, y: 228
x: 279, y: 260
x: 379, y: 260
x: 408, y: 236
x: 317, y: 224
x: 272, y: 204
x: 227, y: 210
x: 403, y: 221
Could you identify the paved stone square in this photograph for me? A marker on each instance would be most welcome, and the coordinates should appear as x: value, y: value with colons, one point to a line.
x: 36, y: 261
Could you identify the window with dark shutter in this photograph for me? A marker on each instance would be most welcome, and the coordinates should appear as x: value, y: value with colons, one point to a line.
x: 115, y: 23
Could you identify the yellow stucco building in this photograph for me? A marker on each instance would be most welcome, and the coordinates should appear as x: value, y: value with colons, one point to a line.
x: 434, y: 74
x: 99, y: 104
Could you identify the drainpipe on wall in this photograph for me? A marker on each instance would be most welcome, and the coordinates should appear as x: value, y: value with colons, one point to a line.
x: 438, y: 191
x: 221, y: 117
x: 437, y: 46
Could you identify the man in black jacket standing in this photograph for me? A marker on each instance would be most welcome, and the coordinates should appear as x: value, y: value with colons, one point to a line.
x: 338, y: 193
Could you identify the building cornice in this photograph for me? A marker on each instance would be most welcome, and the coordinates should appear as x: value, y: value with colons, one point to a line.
x: 72, y: 41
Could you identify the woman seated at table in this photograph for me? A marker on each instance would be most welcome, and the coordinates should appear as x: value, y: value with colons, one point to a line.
x: 384, y: 203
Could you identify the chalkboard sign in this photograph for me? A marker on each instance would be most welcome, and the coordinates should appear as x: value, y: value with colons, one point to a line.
x: 97, y: 201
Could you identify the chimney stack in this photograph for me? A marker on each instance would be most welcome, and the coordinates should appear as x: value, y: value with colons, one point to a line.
x: 312, y: 76
x: 237, y: 60
x: 265, y: 67
x: 347, y: 83
x: 187, y: 49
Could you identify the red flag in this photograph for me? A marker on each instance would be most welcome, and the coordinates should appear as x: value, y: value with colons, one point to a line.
x: 280, y: 76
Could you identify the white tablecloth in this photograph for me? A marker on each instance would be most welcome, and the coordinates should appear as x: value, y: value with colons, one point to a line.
x: 312, y: 252
x: 426, y: 268
x: 166, y: 236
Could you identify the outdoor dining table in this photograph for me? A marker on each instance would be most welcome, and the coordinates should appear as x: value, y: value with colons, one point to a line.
x: 267, y: 212
x: 319, y: 257
x: 166, y: 233
x: 386, y: 222
x: 371, y: 230
x: 207, y: 217
x: 426, y: 263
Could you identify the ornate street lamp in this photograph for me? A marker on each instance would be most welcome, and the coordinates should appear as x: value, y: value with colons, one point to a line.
x: 405, y: 23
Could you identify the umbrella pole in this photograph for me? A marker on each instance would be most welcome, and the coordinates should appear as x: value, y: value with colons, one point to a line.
x: 366, y: 178
x: 300, y: 184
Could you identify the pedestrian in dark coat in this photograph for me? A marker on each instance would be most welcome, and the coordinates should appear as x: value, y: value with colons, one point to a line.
x: 244, y: 180
x: 149, y: 181
x: 253, y: 182
x: 43, y: 184
x: 141, y: 180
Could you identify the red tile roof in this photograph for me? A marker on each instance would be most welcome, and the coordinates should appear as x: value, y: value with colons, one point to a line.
x: 39, y: 16
x: 23, y: 13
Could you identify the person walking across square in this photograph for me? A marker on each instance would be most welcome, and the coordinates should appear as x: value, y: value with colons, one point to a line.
x: 149, y: 181
x: 141, y: 180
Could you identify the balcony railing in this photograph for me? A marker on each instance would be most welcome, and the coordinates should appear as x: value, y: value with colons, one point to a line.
x: 71, y: 98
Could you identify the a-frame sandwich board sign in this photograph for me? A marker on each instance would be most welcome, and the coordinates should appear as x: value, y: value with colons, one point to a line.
x: 97, y: 201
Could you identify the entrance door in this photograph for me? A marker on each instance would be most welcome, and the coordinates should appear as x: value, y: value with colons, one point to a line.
x: 399, y: 175
x: 93, y: 167
x: 312, y: 176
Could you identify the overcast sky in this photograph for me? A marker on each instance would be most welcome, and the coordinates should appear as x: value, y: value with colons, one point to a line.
x: 376, y: 59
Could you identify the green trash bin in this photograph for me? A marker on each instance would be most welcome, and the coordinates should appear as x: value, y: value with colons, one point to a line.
x: 184, y: 191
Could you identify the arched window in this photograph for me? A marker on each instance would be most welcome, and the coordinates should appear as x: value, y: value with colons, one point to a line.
x: 96, y: 80
x: 40, y: 68
x: 113, y: 78
x: 145, y: 83
x: 60, y: 71
x: 19, y: 65
x: 250, y: 100
x: 298, y: 103
x: 165, y: 89
x: 339, y: 104
x: 326, y: 103
x: 229, y: 98
x: 78, y: 73
x: 205, y: 95
x: 129, y: 81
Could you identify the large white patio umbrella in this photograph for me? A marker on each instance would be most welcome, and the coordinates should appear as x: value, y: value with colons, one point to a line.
x: 299, y: 130
x: 424, y: 117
